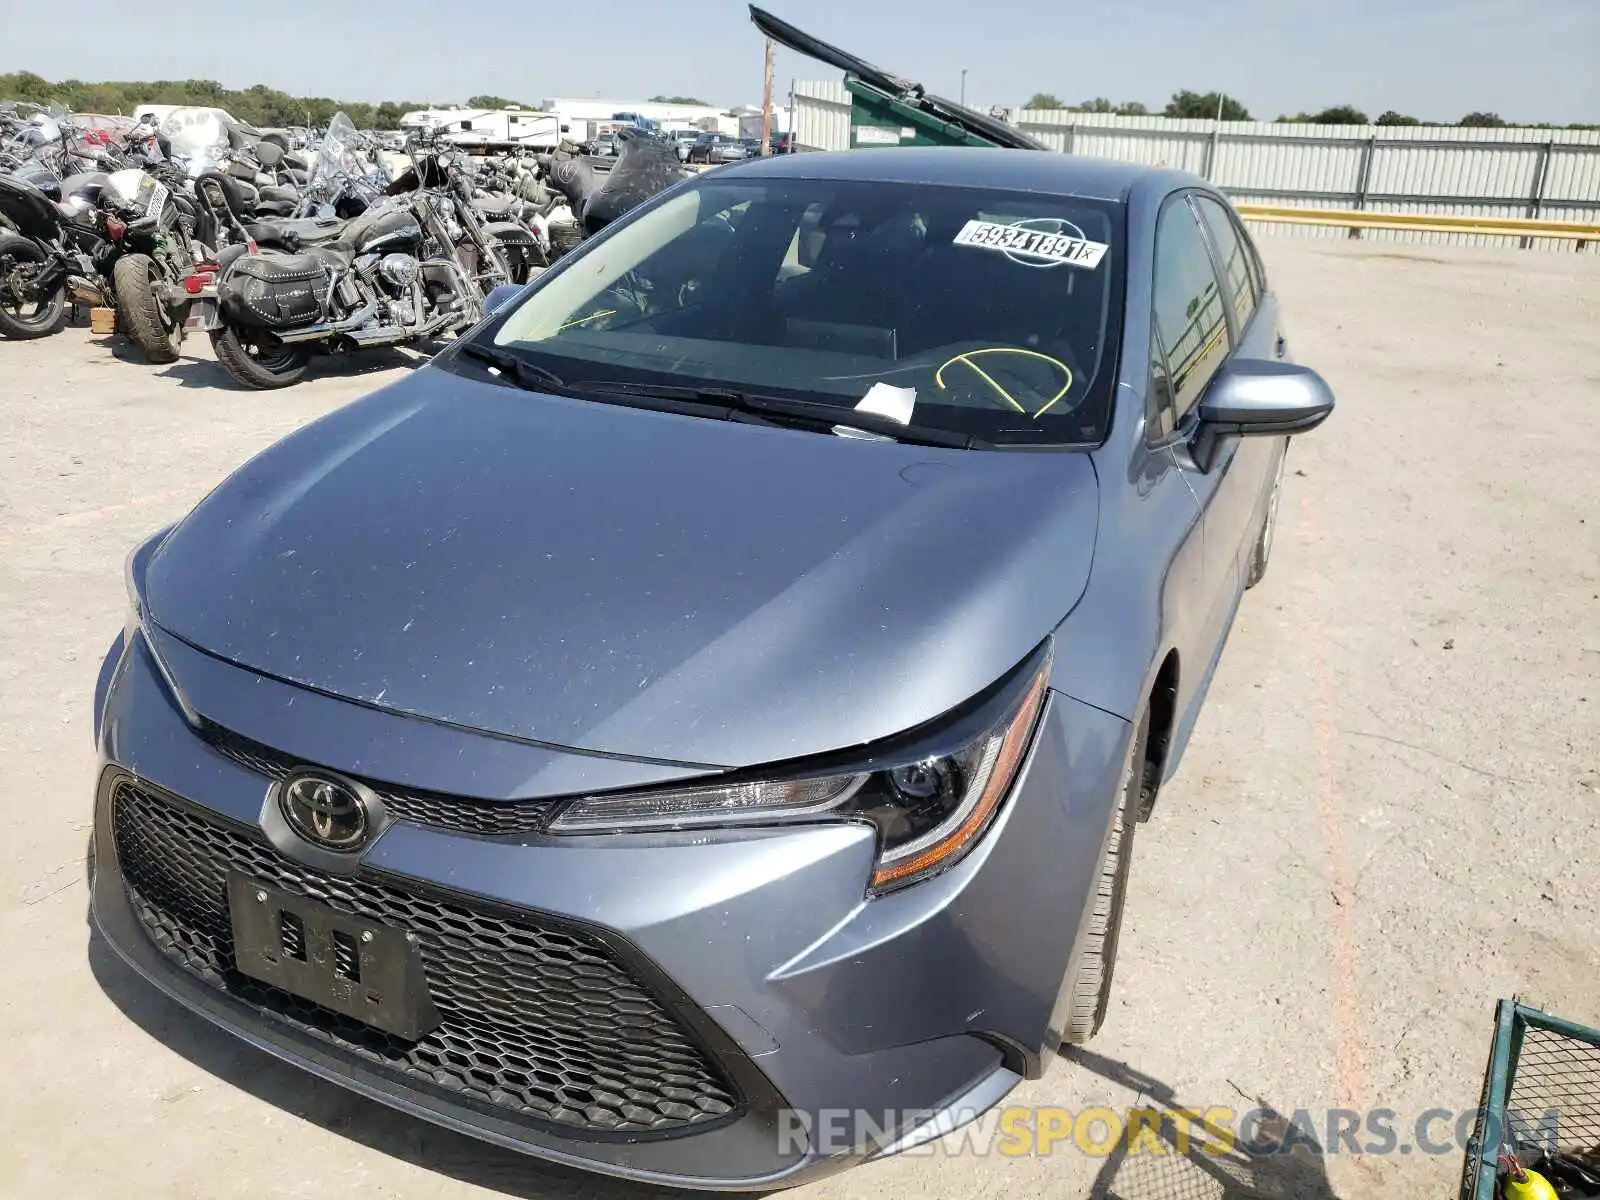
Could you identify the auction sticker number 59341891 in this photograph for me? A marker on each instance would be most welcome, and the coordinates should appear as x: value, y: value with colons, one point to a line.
x: 1043, y: 242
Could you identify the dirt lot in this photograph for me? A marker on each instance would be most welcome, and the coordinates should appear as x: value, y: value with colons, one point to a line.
x: 1389, y: 816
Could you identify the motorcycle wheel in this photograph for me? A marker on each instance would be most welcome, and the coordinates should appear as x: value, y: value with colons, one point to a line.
x: 511, y: 261
x: 17, y: 320
x: 144, y: 318
x: 258, y: 360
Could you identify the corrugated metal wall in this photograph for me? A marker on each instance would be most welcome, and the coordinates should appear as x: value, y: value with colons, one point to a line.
x: 821, y: 115
x: 1553, y: 173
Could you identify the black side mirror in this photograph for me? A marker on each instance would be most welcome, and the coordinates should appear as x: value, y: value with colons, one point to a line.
x: 269, y: 154
x: 1259, y: 398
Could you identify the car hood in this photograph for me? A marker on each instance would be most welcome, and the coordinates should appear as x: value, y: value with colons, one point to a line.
x: 627, y: 582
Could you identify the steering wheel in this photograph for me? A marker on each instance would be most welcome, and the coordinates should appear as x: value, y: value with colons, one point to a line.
x: 967, y: 361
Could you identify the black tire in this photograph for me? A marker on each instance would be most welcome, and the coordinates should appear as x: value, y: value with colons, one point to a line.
x: 45, y: 317
x: 1269, y: 524
x: 273, y: 365
x: 142, y: 315
x: 1091, y: 989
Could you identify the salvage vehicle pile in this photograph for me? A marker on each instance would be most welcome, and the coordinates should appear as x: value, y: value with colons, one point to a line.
x: 208, y: 225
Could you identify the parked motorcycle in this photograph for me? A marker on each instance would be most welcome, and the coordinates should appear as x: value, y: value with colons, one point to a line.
x: 504, y: 248
x: 108, y: 233
x: 407, y: 268
x: 598, y: 194
x: 46, y: 248
x: 154, y: 254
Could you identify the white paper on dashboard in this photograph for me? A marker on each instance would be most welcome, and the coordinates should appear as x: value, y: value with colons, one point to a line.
x: 885, y: 400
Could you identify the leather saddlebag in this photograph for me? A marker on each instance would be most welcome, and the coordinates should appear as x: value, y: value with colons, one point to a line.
x: 275, y: 291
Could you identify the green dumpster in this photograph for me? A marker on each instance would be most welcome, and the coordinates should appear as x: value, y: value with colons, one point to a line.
x: 1540, y: 1106
x: 879, y: 119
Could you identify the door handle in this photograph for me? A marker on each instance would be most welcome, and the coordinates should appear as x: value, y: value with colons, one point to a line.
x: 1282, y: 347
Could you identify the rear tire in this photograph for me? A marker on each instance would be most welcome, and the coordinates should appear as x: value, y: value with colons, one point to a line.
x: 1091, y: 989
x: 273, y: 365
x: 45, y: 315
x: 143, y: 317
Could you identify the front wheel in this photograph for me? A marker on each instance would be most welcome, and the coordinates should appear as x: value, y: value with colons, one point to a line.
x: 1262, y: 551
x: 1091, y: 989
x: 145, y: 319
x: 258, y: 360
x: 23, y: 312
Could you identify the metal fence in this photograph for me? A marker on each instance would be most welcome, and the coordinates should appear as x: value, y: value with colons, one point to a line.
x: 1513, y: 172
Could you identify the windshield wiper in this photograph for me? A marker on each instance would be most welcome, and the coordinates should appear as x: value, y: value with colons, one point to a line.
x: 516, y: 369
x: 806, y: 412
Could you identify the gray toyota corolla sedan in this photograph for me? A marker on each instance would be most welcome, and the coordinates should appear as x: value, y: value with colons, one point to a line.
x: 719, y: 693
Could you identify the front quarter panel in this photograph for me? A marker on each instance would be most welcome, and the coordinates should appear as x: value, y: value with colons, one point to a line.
x: 1145, y: 594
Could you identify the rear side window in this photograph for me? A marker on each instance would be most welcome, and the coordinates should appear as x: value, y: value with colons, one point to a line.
x: 1189, y: 313
x: 1234, y: 257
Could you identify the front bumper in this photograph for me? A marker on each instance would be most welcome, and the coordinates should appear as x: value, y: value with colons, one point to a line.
x: 914, y: 1010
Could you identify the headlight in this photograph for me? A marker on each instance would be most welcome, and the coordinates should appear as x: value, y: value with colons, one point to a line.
x: 132, y: 576
x: 930, y: 796
x: 133, y: 570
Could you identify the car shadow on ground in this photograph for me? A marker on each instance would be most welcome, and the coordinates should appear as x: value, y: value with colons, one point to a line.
x: 1200, y: 1164
x: 309, y: 1098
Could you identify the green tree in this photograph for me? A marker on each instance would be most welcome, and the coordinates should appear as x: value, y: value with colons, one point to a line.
x: 1206, y: 105
x: 1130, y: 108
x: 494, y: 102
x: 679, y: 100
x: 1341, y: 114
x: 1393, y: 118
x: 1044, y: 100
x: 1482, y: 120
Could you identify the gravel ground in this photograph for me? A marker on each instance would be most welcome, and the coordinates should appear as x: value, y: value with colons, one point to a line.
x: 1387, y: 819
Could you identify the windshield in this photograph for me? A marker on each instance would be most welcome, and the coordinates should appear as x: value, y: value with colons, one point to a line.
x: 336, y: 162
x: 999, y: 310
x: 193, y: 132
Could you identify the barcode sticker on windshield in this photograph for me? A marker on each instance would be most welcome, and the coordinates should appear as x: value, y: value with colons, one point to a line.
x: 1034, y: 247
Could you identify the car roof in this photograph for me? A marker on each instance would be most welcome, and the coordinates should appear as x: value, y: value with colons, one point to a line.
x: 962, y: 166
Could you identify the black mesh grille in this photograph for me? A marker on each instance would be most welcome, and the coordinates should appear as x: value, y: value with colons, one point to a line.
x: 1556, y: 1073
x: 542, y: 1021
x: 487, y: 818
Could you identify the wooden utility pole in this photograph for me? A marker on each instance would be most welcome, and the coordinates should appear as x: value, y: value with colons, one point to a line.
x: 766, y: 104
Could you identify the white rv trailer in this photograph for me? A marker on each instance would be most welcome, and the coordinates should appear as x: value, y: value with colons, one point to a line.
x: 525, y: 127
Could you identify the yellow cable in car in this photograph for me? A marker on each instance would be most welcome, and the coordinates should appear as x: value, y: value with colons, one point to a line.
x: 965, y: 359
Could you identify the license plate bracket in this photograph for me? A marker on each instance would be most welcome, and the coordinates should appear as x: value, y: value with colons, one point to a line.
x: 359, y: 968
x: 202, y: 314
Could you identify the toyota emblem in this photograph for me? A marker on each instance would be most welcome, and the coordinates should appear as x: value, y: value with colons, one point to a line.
x: 325, y: 812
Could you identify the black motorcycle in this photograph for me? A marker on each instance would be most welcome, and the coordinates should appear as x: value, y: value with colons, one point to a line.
x: 152, y: 233
x: 598, y: 191
x: 499, y: 247
x: 122, y: 239
x: 369, y: 269
x: 44, y: 247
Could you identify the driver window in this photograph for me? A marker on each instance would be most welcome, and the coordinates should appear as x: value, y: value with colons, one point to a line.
x: 1189, y: 314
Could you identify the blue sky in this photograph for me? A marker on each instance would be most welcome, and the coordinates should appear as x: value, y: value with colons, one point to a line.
x: 1529, y: 60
